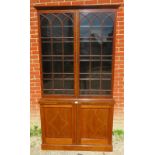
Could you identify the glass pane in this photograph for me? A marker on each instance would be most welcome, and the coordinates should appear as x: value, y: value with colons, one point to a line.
x: 106, y: 66
x: 58, y: 84
x: 108, y: 21
x: 69, y: 92
x: 58, y: 66
x: 96, y: 58
x: 46, y: 58
x: 107, y: 48
x: 107, y: 31
x: 107, y: 76
x: 68, y: 67
x: 44, y: 21
x: 68, y: 58
x: 47, y: 84
x: 106, y: 84
x: 47, y: 76
x: 84, y: 84
x: 46, y: 49
x: 84, y: 76
x: 60, y: 92
x: 84, y: 21
x: 69, y: 75
x: 68, y: 48
x: 48, y: 92
x: 96, y: 21
x: 96, y: 32
x: 95, y: 66
x: 84, y: 67
x: 97, y: 76
x: 95, y: 84
x: 68, y: 31
x: 84, y: 32
x: 68, y: 22
x: 56, y: 31
x: 84, y: 92
x: 96, y: 48
x: 47, y: 66
x: 96, y: 42
x: 69, y: 84
x: 84, y: 48
x: 56, y: 21
x: 58, y: 76
x: 57, y: 53
x: 57, y: 48
x: 45, y: 32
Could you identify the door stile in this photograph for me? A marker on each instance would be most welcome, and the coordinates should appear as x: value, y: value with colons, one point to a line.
x: 76, y: 52
x: 78, y: 125
x: 75, y: 80
x: 77, y: 71
x: 74, y: 124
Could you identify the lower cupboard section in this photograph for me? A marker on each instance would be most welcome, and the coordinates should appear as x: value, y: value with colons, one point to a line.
x: 86, y: 127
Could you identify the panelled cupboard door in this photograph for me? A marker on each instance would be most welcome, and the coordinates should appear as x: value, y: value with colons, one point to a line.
x: 58, y: 124
x: 95, y: 124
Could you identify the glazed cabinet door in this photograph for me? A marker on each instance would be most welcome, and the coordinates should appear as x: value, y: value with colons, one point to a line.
x: 57, y: 124
x: 95, y: 124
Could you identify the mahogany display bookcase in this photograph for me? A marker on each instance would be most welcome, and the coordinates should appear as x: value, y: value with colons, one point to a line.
x: 77, y: 71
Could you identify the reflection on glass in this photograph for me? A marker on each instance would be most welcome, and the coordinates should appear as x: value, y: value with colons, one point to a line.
x: 96, y: 36
x: 84, y: 47
x: 95, y: 48
x: 107, y: 48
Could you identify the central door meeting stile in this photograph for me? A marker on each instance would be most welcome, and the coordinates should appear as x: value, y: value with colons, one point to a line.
x: 76, y: 54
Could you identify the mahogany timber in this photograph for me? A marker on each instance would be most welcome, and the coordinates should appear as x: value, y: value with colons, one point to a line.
x: 83, y: 126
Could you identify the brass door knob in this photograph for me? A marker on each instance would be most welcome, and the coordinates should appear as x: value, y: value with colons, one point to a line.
x: 76, y: 102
